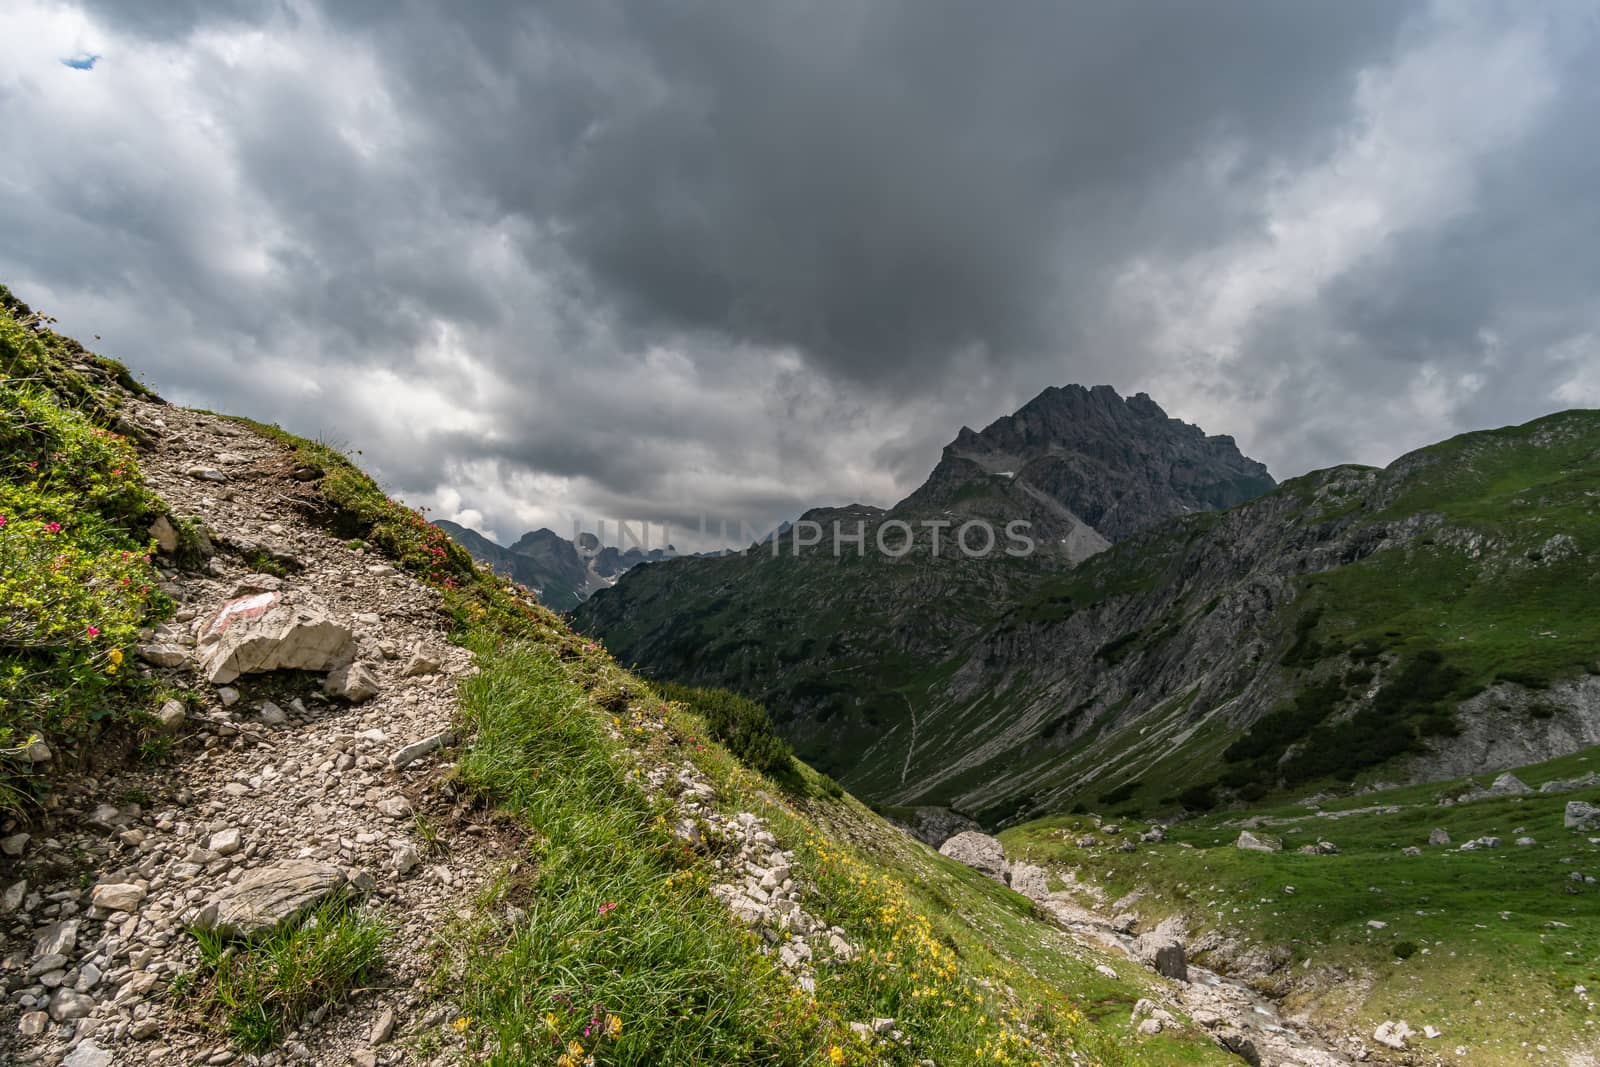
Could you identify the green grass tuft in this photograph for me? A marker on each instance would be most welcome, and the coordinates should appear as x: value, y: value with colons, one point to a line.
x: 257, y: 992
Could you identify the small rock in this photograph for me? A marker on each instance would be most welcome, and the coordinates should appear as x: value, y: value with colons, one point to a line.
x: 117, y: 896
x: 1251, y: 842
x: 270, y: 897
x: 1509, y: 785
x: 1392, y: 1034
x: 38, y: 751
x: 69, y: 1004
x: 382, y: 1027
x: 165, y: 535
x: 420, y: 662
x: 271, y: 714
x: 162, y: 654
x: 1439, y: 837
x: 228, y: 695
x: 172, y: 716
x: 1525, y: 842
x: 87, y: 1054
x: 33, y: 1023
x: 395, y: 807
x: 1581, y: 816
x: 354, y: 682
x: 225, y: 842
x: 417, y: 749
x: 13, y: 845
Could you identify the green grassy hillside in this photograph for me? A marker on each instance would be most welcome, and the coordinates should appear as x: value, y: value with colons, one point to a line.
x: 1489, y: 946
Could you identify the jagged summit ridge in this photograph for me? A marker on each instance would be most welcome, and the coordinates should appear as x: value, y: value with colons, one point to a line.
x: 1113, y: 464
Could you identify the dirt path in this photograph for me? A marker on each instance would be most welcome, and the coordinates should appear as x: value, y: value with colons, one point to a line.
x: 266, y: 770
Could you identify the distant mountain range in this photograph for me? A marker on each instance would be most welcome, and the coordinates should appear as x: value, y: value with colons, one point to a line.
x: 552, y: 566
x: 1188, y: 634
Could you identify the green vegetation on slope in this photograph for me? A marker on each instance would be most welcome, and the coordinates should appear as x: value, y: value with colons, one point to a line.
x: 1487, y: 945
x: 76, y: 580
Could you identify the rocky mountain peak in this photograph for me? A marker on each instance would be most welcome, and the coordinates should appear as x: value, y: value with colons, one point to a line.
x: 1077, y: 456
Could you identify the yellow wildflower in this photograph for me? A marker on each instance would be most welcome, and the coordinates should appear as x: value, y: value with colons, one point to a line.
x: 835, y: 1054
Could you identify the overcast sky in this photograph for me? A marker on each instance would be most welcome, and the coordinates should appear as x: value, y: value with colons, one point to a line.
x: 657, y: 258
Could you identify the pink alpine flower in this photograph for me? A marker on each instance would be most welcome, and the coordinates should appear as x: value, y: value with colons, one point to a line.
x: 53, y: 527
x: 93, y: 631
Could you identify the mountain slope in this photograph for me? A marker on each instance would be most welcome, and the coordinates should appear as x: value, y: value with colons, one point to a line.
x: 1429, y: 619
x: 846, y: 646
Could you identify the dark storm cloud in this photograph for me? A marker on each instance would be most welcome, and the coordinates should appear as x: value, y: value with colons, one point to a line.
x: 672, y: 257
x: 883, y: 187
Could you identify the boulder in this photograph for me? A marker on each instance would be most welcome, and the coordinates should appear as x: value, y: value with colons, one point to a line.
x: 354, y: 682
x: 269, y: 898
x: 1321, y: 848
x: 264, y: 632
x: 1509, y: 785
x: 979, y: 851
x: 1251, y: 842
x: 1165, y: 953
x: 1439, y: 837
x: 1032, y: 882
x: 1581, y: 816
x: 1240, y: 1043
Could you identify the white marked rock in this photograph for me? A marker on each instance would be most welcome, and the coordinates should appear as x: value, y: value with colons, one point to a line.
x: 263, y: 632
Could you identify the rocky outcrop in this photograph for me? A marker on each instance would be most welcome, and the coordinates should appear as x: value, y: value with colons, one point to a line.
x: 1253, y: 842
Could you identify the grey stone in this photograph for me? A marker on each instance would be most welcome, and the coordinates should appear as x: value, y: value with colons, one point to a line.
x: 162, y: 654
x: 1031, y: 881
x: 172, y: 716
x: 417, y: 749
x: 1509, y: 785
x: 271, y: 714
x: 1581, y: 816
x: 269, y: 898
x: 69, y: 1004
x: 88, y: 1054
x: 32, y: 1023
x: 117, y: 896
x: 354, y: 682
x: 263, y: 632
x: 225, y: 842
x: 1165, y: 953
x: 13, y: 845
x: 421, y: 662
x: 1439, y: 837
x: 395, y: 807
x: 1257, y: 842
x: 165, y: 534
x: 1392, y: 1034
